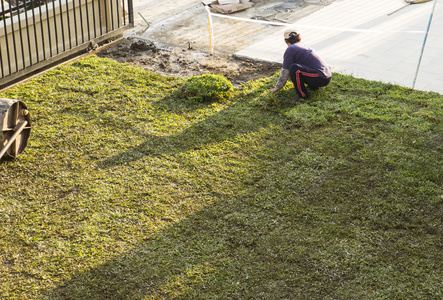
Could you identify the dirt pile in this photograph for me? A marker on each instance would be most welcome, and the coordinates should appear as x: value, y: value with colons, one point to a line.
x: 186, y: 61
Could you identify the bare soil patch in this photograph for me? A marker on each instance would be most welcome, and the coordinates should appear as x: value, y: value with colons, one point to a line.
x: 176, y: 61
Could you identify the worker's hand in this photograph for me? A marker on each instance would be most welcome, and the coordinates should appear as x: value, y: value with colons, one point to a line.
x: 273, y: 90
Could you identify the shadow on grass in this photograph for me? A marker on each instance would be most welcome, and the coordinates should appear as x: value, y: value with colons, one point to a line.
x: 232, y: 122
x: 213, y: 254
x: 325, y: 220
x: 221, y: 251
x: 315, y: 225
x: 308, y: 229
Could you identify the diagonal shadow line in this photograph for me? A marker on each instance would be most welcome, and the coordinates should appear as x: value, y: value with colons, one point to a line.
x: 202, y: 243
x: 208, y: 243
x: 211, y: 250
x: 151, y: 266
x: 224, y: 125
x: 187, y: 249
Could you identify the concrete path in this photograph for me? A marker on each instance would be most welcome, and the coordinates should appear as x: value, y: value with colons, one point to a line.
x: 184, y: 22
x: 386, y: 48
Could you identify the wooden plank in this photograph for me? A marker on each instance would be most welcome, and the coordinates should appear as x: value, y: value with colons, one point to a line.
x: 13, y: 138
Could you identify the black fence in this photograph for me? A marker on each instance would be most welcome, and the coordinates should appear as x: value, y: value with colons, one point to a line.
x: 35, y: 34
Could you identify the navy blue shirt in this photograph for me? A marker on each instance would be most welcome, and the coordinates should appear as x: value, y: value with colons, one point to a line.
x: 301, y: 54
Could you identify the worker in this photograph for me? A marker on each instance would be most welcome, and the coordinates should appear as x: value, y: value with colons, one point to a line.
x: 303, y: 65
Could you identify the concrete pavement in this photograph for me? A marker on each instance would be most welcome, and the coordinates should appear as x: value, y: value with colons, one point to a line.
x: 357, y: 37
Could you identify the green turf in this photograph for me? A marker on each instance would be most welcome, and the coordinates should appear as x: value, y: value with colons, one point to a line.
x: 129, y: 190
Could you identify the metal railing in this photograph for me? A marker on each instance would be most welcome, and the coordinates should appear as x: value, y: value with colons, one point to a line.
x: 35, y: 34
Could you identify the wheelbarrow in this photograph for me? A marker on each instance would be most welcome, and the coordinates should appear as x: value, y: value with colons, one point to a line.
x: 15, y: 127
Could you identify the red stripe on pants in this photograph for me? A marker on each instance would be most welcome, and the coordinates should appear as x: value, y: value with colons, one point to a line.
x: 299, y: 84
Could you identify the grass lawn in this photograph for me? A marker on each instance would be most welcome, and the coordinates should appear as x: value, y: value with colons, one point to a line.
x: 128, y: 189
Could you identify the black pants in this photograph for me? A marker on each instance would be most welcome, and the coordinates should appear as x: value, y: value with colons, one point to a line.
x: 302, y: 76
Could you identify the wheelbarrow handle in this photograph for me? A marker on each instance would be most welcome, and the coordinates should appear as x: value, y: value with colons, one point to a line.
x: 13, y: 137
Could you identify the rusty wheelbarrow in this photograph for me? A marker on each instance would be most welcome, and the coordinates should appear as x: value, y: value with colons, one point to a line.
x: 15, y: 127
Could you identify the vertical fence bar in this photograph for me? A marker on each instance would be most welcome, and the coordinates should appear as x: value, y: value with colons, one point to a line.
x: 69, y: 24
x: 62, y: 24
x: 6, y: 40
x: 75, y: 23
x: 35, y: 30
x: 1, y: 52
x: 2, y: 15
x: 1, y: 63
x: 13, y: 41
x: 100, y: 16
x: 22, y: 49
x: 123, y: 12
x: 87, y: 20
x: 42, y: 31
x: 131, y: 11
x: 55, y: 26
x: 81, y: 20
x: 119, y: 13
x: 111, y: 14
x: 49, y: 29
x: 28, y: 37
x: 106, y: 15
x: 94, y: 21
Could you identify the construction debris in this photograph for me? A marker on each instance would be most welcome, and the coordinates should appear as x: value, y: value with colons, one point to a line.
x: 229, y: 6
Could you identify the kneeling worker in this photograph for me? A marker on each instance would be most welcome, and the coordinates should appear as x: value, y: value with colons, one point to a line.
x: 303, y: 65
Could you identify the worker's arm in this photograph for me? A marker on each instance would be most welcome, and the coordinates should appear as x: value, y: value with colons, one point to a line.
x: 282, y: 79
